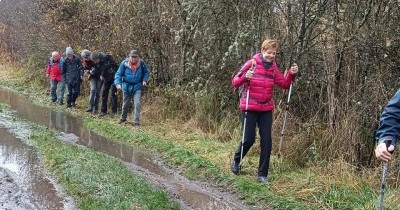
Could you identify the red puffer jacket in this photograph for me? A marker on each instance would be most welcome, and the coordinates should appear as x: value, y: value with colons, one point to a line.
x: 54, y: 70
x: 261, y: 85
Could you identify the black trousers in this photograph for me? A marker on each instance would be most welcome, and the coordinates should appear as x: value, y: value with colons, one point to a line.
x: 107, y: 86
x: 74, y: 90
x: 264, y: 122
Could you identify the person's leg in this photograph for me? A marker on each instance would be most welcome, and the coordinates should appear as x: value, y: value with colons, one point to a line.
x: 137, y: 102
x: 125, y: 105
x: 76, y: 91
x: 60, y: 97
x: 53, y: 90
x: 97, y: 96
x: 69, y: 95
x: 104, y: 95
x: 265, y: 129
x: 114, y: 99
x: 92, y: 83
x: 249, y: 135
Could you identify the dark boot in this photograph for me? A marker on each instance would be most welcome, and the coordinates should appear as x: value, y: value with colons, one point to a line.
x: 235, y: 167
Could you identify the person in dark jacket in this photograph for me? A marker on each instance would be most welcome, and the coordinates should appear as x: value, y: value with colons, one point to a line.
x: 108, y: 68
x: 94, y: 72
x: 389, y: 128
x: 131, y: 76
x: 72, y: 72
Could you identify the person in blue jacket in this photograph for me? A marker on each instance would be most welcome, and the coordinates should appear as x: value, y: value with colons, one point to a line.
x: 389, y: 128
x: 131, y: 76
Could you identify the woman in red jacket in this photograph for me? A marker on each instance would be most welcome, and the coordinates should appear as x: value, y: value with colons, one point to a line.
x: 258, y: 76
x: 53, y: 72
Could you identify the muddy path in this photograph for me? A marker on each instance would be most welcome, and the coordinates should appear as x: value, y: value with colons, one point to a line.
x: 23, y: 184
x: 191, y: 195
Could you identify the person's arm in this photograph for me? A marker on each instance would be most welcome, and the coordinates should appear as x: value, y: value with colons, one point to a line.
x: 64, y: 71
x: 240, y: 78
x: 146, y: 73
x: 389, y: 128
x: 48, y: 70
x: 283, y: 81
x: 389, y: 123
x: 80, y: 67
x: 105, y: 67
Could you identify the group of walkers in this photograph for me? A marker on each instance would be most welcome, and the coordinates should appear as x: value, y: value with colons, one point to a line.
x: 257, y: 79
x: 104, y: 76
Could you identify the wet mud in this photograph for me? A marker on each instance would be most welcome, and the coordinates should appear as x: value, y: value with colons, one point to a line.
x: 23, y: 183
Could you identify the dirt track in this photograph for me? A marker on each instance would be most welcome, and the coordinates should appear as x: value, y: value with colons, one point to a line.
x: 11, y: 196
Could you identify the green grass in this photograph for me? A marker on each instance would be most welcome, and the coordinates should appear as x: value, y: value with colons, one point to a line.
x: 331, y: 185
x: 95, y: 180
x: 195, y: 166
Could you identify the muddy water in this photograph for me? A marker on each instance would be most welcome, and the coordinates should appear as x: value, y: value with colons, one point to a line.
x: 191, y: 195
x: 23, y: 185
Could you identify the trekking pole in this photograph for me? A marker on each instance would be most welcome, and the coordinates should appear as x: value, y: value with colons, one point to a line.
x: 384, y: 178
x: 245, y: 115
x: 287, y: 107
x: 285, y: 119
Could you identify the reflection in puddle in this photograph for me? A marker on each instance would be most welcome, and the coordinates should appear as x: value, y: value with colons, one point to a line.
x: 22, y: 165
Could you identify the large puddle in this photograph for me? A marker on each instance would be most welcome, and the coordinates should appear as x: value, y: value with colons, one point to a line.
x: 23, y: 185
x: 191, y: 195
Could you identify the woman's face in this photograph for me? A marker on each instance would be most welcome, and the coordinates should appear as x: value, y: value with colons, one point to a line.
x: 134, y: 58
x: 56, y: 57
x: 269, y: 54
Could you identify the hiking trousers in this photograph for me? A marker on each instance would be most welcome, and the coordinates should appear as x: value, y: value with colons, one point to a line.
x: 73, y: 93
x: 107, y: 86
x: 264, y: 122
x: 54, y: 85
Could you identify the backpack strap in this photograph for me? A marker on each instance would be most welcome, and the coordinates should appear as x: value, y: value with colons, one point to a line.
x: 253, y: 64
x: 51, y: 62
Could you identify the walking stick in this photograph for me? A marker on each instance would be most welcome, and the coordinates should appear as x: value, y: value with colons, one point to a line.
x: 384, y: 178
x: 287, y: 108
x: 253, y: 65
x: 285, y: 119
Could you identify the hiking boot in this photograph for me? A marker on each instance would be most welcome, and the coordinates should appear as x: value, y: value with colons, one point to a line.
x: 262, y: 179
x: 122, y: 121
x: 235, y: 167
x: 136, y: 125
x: 61, y: 103
x: 102, y: 114
x: 95, y: 112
